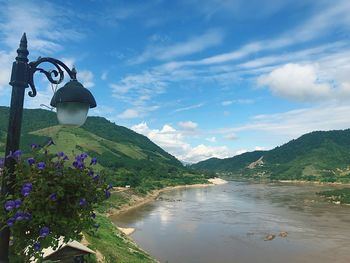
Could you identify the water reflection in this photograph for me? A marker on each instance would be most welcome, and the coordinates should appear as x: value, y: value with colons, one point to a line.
x: 229, y: 224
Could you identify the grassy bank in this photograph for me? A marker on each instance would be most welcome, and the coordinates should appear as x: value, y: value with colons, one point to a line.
x: 114, y: 245
x: 339, y: 196
x: 111, y: 242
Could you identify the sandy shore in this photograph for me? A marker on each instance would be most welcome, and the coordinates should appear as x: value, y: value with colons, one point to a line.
x: 217, y: 181
x: 126, y: 230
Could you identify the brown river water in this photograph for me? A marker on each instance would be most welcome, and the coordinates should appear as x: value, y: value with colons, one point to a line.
x: 228, y: 223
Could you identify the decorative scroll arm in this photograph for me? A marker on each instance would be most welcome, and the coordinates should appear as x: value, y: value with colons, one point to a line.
x: 55, y: 76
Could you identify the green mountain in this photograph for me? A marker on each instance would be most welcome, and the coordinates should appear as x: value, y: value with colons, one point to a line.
x: 316, y: 156
x: 124, y: 156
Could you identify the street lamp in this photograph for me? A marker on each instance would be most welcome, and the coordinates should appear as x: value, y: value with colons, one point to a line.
x: 72, y: 102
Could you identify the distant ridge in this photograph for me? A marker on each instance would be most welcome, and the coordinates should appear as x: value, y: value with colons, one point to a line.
x: 320, y: 155
x: 124, y: 156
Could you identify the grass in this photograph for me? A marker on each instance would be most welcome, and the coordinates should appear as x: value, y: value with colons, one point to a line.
x: 338, y: 195
x: 114, y: 245
x: 116, y: 200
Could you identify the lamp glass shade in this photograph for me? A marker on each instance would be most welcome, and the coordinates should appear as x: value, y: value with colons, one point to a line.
x: 72, y: 113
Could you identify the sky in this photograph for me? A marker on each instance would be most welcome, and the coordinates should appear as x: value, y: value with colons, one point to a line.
x: 200, y: 78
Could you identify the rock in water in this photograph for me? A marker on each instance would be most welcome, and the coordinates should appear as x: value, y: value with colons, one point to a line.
x: 269, y: 237
x: 283, y: 234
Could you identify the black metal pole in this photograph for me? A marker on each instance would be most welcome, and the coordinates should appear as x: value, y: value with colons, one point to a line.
x: 19, y: 82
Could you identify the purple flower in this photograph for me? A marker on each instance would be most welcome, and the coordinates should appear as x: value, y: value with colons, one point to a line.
x: 34, y: 146
x: 10, y: 221
x: 2, y: 162
x: 41, y: 165
x: 90, y: 173
x: 31, y: 161
x: 9, y: 205
x: 93, y: 161
x: 83, y: 156
x: 65, y: 158
x: 26, y: 189
x: 36, y: 246
x: 50, y: 142
x: 82, y: 201
x: 18, y: 203
x: 19, y: 216
x: 60, y: 154
x: 96, y: 177
x: 93, y: 215
x: 29, y: 185
x: 78, y: 165
x: 109, y: 186
x: 107, y: 194
x: 44, y: 231
x: 53, y: 197
x: 17, y: 154
x: 27, y: 216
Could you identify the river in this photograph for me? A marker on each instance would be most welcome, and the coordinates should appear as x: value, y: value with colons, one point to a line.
x: 229, y: 223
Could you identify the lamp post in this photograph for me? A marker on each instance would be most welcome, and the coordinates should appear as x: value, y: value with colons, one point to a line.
x: 72, y: 102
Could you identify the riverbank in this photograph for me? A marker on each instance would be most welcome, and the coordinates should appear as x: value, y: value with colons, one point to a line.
x: 112, y: 241
x: 248, y: 221
x: 312, y: 182
x: 137, y: 200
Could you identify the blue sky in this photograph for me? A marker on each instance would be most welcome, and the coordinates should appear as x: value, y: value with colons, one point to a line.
x: 200, y: 78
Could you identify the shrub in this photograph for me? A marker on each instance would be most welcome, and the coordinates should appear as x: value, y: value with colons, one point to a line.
x: 52, y: 197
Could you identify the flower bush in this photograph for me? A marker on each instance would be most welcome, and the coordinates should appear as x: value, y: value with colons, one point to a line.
x: 53, y: 197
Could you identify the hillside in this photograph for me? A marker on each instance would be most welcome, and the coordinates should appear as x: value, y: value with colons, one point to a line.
x: 124, y: 156
x: 316, y: 156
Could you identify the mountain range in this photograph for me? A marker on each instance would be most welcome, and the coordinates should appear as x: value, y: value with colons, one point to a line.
x: 124, y: 156
x: 317, y: 156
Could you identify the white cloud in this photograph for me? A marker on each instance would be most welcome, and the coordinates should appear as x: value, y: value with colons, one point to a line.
x: 202, y: 152
x: 241, y: 151
x: 239, y: 101
x: 86, y: 78
x: 211, y: 139
x: 191, y: 46
x: 239, y: 9
x: 305, y: 83
x: 41, y: 100
x: 231, y: 136
x: 102, y: 110
x: 129, y: 114
x: 191, y: 107
x: 226, y: 102
x: 173, y: 141
x: 104, y: 75
x: 299, y: 82
x: 188, y: 125
x: 140, y: 88
x: 259, y: 148
x: 284, y: 126
x: 6, y: 60
x: 327, y: 17
x: 45, y: 25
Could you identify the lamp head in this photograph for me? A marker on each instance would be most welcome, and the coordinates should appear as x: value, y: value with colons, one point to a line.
x: 72, y: 101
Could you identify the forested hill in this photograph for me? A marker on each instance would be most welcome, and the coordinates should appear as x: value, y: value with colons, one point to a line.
x: 125, y: 156
x: 320, y: 155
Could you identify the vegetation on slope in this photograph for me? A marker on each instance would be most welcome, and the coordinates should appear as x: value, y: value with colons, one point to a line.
x: 318, y: 156
x: 340, y: 196
x: 124, y: 156
x: 114, y: 245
